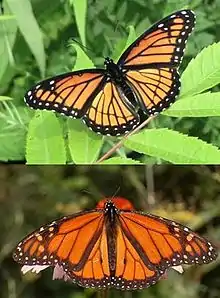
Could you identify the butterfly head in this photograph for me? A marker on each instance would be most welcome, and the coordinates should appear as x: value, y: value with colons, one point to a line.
x: 116, y: 202
x: 108, y: 61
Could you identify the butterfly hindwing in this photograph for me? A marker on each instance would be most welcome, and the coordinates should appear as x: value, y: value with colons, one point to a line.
x: 155, y: 88
x: 110, y: 112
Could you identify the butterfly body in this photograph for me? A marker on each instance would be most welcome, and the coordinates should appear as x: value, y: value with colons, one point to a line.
x: 116, y: 75
x: 113, y: 247
x: 145, y: 79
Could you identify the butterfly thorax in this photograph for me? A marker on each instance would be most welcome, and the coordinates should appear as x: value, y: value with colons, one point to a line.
x: 110, y: 212
x: 114, y: 71
x: 117, y: 75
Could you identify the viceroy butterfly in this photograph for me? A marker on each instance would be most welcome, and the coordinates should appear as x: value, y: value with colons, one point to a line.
x: 112, y: 246
x: 144, y: 78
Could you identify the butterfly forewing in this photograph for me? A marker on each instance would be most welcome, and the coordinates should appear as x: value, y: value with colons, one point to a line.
x: 69, y: 94
x: 163, y: 243
x: 66, y: 242
x: 161, y: 45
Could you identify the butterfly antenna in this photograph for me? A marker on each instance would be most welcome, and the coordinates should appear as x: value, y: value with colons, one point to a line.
x: 82, y: 46
x: 115, y: 193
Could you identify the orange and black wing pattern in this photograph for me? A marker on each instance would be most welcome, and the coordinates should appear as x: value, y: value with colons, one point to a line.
x: 151, y: 62
x: 66, y: 242
x: 69, y: 94
x: 156, y: 88
x: 113, y: 247
x: 86, y: 94
x: 124, y: 270
x: 162, y: 45
x: 163, y: 243
x: 111, y: 113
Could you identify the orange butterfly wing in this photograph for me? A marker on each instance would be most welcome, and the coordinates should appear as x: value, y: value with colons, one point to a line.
x: 150, y: 62
x: 86, y: 94
x: 132, y: 255
x: 155, y: 88
x: 110, y: 112
x: 129, y: 271
x: 69, y: 93
x: 66, y: 242
x: 163, y: 243
x: 161, y: 45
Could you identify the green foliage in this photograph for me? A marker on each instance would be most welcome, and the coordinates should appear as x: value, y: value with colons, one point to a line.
x: 203, y: 72
x: 173, y: 147
x: 45, y: 143
x: 80, y: 8
x: 23, y: 13
x: 13, y: 128
x: 120, y: 161
x: 107, y: 28
x: 84, y: 145
x: 201, y: 105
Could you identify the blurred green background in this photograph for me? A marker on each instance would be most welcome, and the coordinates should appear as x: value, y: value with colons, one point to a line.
x: 33, y: 196
x: 27, y: 57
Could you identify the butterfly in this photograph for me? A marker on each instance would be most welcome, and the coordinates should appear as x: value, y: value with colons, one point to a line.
x: 145, y: 79
x: 113, y: 246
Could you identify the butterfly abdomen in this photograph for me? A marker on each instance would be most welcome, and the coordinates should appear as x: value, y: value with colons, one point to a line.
x: 118, y: 77
x: 111, y: 230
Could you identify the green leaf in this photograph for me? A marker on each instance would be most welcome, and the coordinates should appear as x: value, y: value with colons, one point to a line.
x: 82, y: 60
x: 131, y: 37
x: 80, y: 9
x: 173, y: 146
x: 45, y: 143
x: 12, y: 140
x: 8, y: 32
x: 3, y: 98
x: 203, y: 72
x: 13, y: 128
x: 201, y: 105
x: 29, y: 28
x: 6, y: 17
x: 84, y: 145
x: 173, y: 5
x: 122, y: 46
x: 120, y: 161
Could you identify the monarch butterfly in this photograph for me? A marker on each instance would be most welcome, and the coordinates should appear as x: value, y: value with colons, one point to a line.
x: 144, y: 78
x: 113, y: 246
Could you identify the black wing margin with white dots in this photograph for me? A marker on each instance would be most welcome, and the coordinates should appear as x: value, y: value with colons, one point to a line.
x: 162, y: 45
x: 111, y: 113
x: 70, y: 94
x: 151, y: 62
x: 65, y: 242
x: 162, y: 243
x: 155, y: 89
